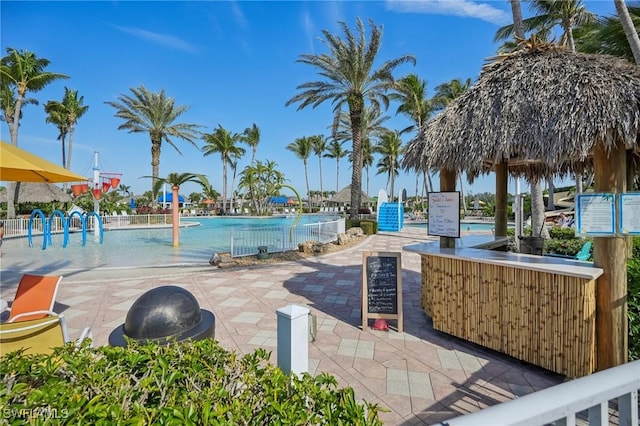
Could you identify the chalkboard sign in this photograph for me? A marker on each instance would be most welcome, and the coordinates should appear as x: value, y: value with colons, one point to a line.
x: 381, y: 287
x: 444, y: 214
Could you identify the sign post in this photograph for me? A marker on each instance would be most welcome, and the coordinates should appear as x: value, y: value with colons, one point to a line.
x: 381, y: 287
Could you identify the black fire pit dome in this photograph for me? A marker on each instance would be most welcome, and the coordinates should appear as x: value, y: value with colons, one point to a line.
x: 165, y: 314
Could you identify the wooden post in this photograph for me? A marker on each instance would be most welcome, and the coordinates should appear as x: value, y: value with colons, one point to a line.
x: 501, y: 199
x: 610, y: 254
x: 447, y: 183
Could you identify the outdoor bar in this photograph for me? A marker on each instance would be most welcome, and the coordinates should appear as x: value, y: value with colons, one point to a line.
x: 535, y: 308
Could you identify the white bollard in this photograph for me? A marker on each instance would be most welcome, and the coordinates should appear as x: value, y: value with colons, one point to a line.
x: 293, y: 339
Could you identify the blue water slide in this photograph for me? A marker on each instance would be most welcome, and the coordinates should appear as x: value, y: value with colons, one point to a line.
x: 65, y: 228
x: 37, y: 212
x: 82, y: 221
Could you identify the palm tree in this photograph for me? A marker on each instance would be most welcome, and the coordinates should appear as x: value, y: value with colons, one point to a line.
x: 58, y: 119
x: 319, y: 145
x: 367, y: 159
x: 349, y: 79
x: 565, y: 13
x: 607, y: 36
x: 411, y: 92
x: 21, y: 72
x: 629, y: 29
x: 335, y: 150
x: 69, y: 110
x: 222, y: 142
x: 176, y: 180
x: 155, y: 114
x: 390, y: 147
x: 262, y: 181
x: 125, y: 190
x: 251, y: 136
x: 301, y: 147
x: 447, y: 92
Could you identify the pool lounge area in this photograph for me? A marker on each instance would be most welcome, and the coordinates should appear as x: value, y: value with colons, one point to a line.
x: 422, y: 376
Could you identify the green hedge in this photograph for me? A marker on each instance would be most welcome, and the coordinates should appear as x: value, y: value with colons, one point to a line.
x: 194, y: 383
x: 368, y: 226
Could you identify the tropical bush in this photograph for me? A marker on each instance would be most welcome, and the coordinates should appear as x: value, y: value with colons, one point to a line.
x: 633, y: 306
x: 562, y: 233
x: 369, y: 227
x: 194, y: 383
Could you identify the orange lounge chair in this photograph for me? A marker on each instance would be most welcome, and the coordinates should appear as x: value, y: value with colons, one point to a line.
x: 35, y: 297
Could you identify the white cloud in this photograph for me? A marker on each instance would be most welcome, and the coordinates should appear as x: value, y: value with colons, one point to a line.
x: 463, y: 8
x: 161, y: 39
x: 241, y: 20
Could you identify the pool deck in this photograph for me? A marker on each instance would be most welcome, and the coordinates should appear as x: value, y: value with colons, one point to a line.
x: 421, y: 376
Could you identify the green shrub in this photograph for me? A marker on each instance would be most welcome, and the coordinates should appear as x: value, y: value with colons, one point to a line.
x: 367, y: 227
x: 351, y: 223
x: 565, y: 247
x: 560, y: 233
x: 633, y: 307
x: 635, y: 254
x: 192, y: 383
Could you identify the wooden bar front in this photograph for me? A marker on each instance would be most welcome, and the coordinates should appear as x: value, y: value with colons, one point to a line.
x: 538, y: 309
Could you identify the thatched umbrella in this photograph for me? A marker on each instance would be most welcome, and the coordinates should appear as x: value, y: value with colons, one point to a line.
x: 559, y: 110
x: 28, y: 192
x: 344, y: 196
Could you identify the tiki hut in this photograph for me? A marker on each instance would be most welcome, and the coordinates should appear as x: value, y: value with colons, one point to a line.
x: 545, y: 110
x: 28, y: 192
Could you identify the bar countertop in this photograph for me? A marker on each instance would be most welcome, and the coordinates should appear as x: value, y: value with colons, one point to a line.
x: 477, y: 248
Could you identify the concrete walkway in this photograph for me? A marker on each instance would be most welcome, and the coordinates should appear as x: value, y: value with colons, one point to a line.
x: 420, y: 376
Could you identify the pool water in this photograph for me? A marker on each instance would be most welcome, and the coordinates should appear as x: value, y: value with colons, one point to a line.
x: 139, y: 247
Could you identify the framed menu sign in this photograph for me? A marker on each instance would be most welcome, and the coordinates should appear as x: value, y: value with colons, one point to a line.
x: 444, y: 214
x: 595, y: 214
x: 630, y: 213
x: 381, y: 287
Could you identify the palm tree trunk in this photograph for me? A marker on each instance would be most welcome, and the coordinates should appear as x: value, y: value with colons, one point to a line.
x: 224, y: 186
x: 320, y: 168
x: 175, y: 214
x: 155, y: 168
x: 355, y: 111
x: 306, y: 178
x: 518, y: 25
x: 233, y: 184
x: 13, y: 130
x: 67, y: 164
x: 537, y: 211
x: 337, y: 174
x: 629, y: 29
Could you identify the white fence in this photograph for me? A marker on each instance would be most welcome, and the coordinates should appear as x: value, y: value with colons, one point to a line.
x: 245, y: 241
x: 564, y: 403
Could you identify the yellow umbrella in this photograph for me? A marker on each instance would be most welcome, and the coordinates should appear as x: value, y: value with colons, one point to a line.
x: 18, y: 165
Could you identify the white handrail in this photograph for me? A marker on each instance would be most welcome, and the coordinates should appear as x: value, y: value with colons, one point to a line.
x: 562, y: 402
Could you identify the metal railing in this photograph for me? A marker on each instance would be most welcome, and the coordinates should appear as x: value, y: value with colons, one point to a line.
x: 245, y: 241
x: 19, y: 227
x: 587, y: 396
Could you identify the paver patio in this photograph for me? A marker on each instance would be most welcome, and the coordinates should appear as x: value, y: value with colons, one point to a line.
x: 421, y: 376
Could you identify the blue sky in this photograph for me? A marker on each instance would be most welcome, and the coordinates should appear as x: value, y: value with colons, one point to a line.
x: 234, y: 64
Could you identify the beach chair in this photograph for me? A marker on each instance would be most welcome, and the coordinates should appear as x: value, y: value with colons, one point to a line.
x: 37, y: 336
x: 35, y: 297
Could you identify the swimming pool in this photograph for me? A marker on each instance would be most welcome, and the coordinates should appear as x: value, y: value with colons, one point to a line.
x: 138, y: 247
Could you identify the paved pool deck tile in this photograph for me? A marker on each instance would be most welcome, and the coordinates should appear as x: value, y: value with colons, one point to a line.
x: 420, y: 376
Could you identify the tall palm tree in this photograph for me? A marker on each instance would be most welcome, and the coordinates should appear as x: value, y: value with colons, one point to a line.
x: 262, y: 181
x: 350, y: 80
x: 335, y: 150
x: 319, y: 145
x: 251, y: 136
x: 70, y: 110
x: 21, y: 72
x: 411, y: 92
x: 301, y: 147
x: 390, y: 147
x: 565, y: 13
x: 222, y: 142
x: 176, y: 180
x: 629, y: 29
x: 155, y: 114
x: 607, y: 36
x: 59, y: 119
x: 448, y: 92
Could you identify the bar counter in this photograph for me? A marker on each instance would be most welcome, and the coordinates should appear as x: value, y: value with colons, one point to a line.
x: 535, y: 308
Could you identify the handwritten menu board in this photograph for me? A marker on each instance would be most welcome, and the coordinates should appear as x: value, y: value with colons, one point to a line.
x: 630, y: 213
x: 444, y: 214
x: 381, y: 287
x: 595, y: 214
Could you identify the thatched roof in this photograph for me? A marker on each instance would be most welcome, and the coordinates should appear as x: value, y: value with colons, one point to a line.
x: 542, y: 110
x: 344, y: 196
x: 37, y: 193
